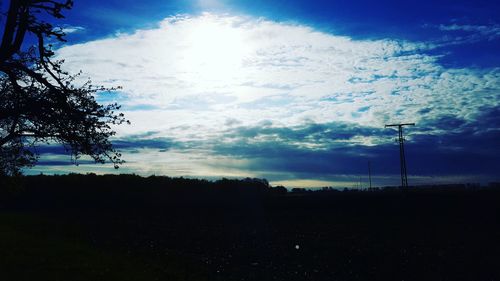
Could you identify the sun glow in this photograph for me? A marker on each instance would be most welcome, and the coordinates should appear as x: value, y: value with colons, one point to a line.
x: 215, y: 51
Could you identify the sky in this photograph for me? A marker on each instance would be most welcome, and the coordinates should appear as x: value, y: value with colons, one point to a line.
x: 297, y: 92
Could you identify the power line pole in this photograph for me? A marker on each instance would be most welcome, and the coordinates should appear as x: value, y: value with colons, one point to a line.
x: 401, y: 140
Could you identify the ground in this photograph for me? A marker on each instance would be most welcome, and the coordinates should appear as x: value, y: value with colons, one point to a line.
x: 424, y: 235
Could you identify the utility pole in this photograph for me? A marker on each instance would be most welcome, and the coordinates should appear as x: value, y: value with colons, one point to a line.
x: 401, y: 140
x: 370, y: 174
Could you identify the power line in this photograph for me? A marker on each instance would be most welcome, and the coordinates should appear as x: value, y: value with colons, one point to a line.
x: 401, y: 140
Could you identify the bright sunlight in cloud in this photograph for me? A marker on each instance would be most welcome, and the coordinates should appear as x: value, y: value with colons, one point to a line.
x: 215, y: 51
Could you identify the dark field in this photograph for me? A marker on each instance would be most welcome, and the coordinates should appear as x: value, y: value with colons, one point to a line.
x: 132, y: 228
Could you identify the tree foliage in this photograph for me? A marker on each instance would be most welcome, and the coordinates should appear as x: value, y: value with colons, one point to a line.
x: 39, y: 101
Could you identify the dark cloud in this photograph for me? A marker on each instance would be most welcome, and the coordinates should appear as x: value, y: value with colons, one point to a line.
x: 69, y: 162
x: 331, y: 149
x: 51, y: 149
x: 131, y: 144
x: 325, y: 134
x: 442, y: 122
x: 134, y: 143
x: 445, y: 146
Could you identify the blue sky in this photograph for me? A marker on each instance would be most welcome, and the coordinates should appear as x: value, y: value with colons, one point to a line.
x: 294, y: 91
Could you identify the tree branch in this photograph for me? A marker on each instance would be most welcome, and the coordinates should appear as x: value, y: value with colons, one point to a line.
x: 10, y: 28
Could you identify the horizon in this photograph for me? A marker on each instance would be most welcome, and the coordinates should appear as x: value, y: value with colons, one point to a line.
x: 356, y: 186
x: 297, y: 93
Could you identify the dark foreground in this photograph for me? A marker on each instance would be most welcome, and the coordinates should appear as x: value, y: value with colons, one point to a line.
x: 130, y: 228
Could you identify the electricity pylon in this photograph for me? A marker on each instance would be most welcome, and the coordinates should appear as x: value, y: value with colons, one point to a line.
x: 401, y: 140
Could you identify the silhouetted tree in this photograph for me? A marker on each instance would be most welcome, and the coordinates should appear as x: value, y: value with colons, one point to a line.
x: 279, y: 190
x: 39, y: 101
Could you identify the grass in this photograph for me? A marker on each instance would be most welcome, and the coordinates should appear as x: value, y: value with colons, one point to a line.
x: 33, y: 247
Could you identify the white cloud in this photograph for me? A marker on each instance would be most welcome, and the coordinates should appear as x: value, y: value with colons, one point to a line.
x: 489, y: 30
x: 72, y: 29
x: 206, y: 73
x: 459, y: 34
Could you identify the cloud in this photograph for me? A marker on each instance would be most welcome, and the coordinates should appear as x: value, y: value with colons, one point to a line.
x: 490, y: 31
x: 240, y: 67
x: 459, y: 34
x: 321, y: 150
x: 250, y: 92
x: 72, y: 29
x: 129, y: 143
